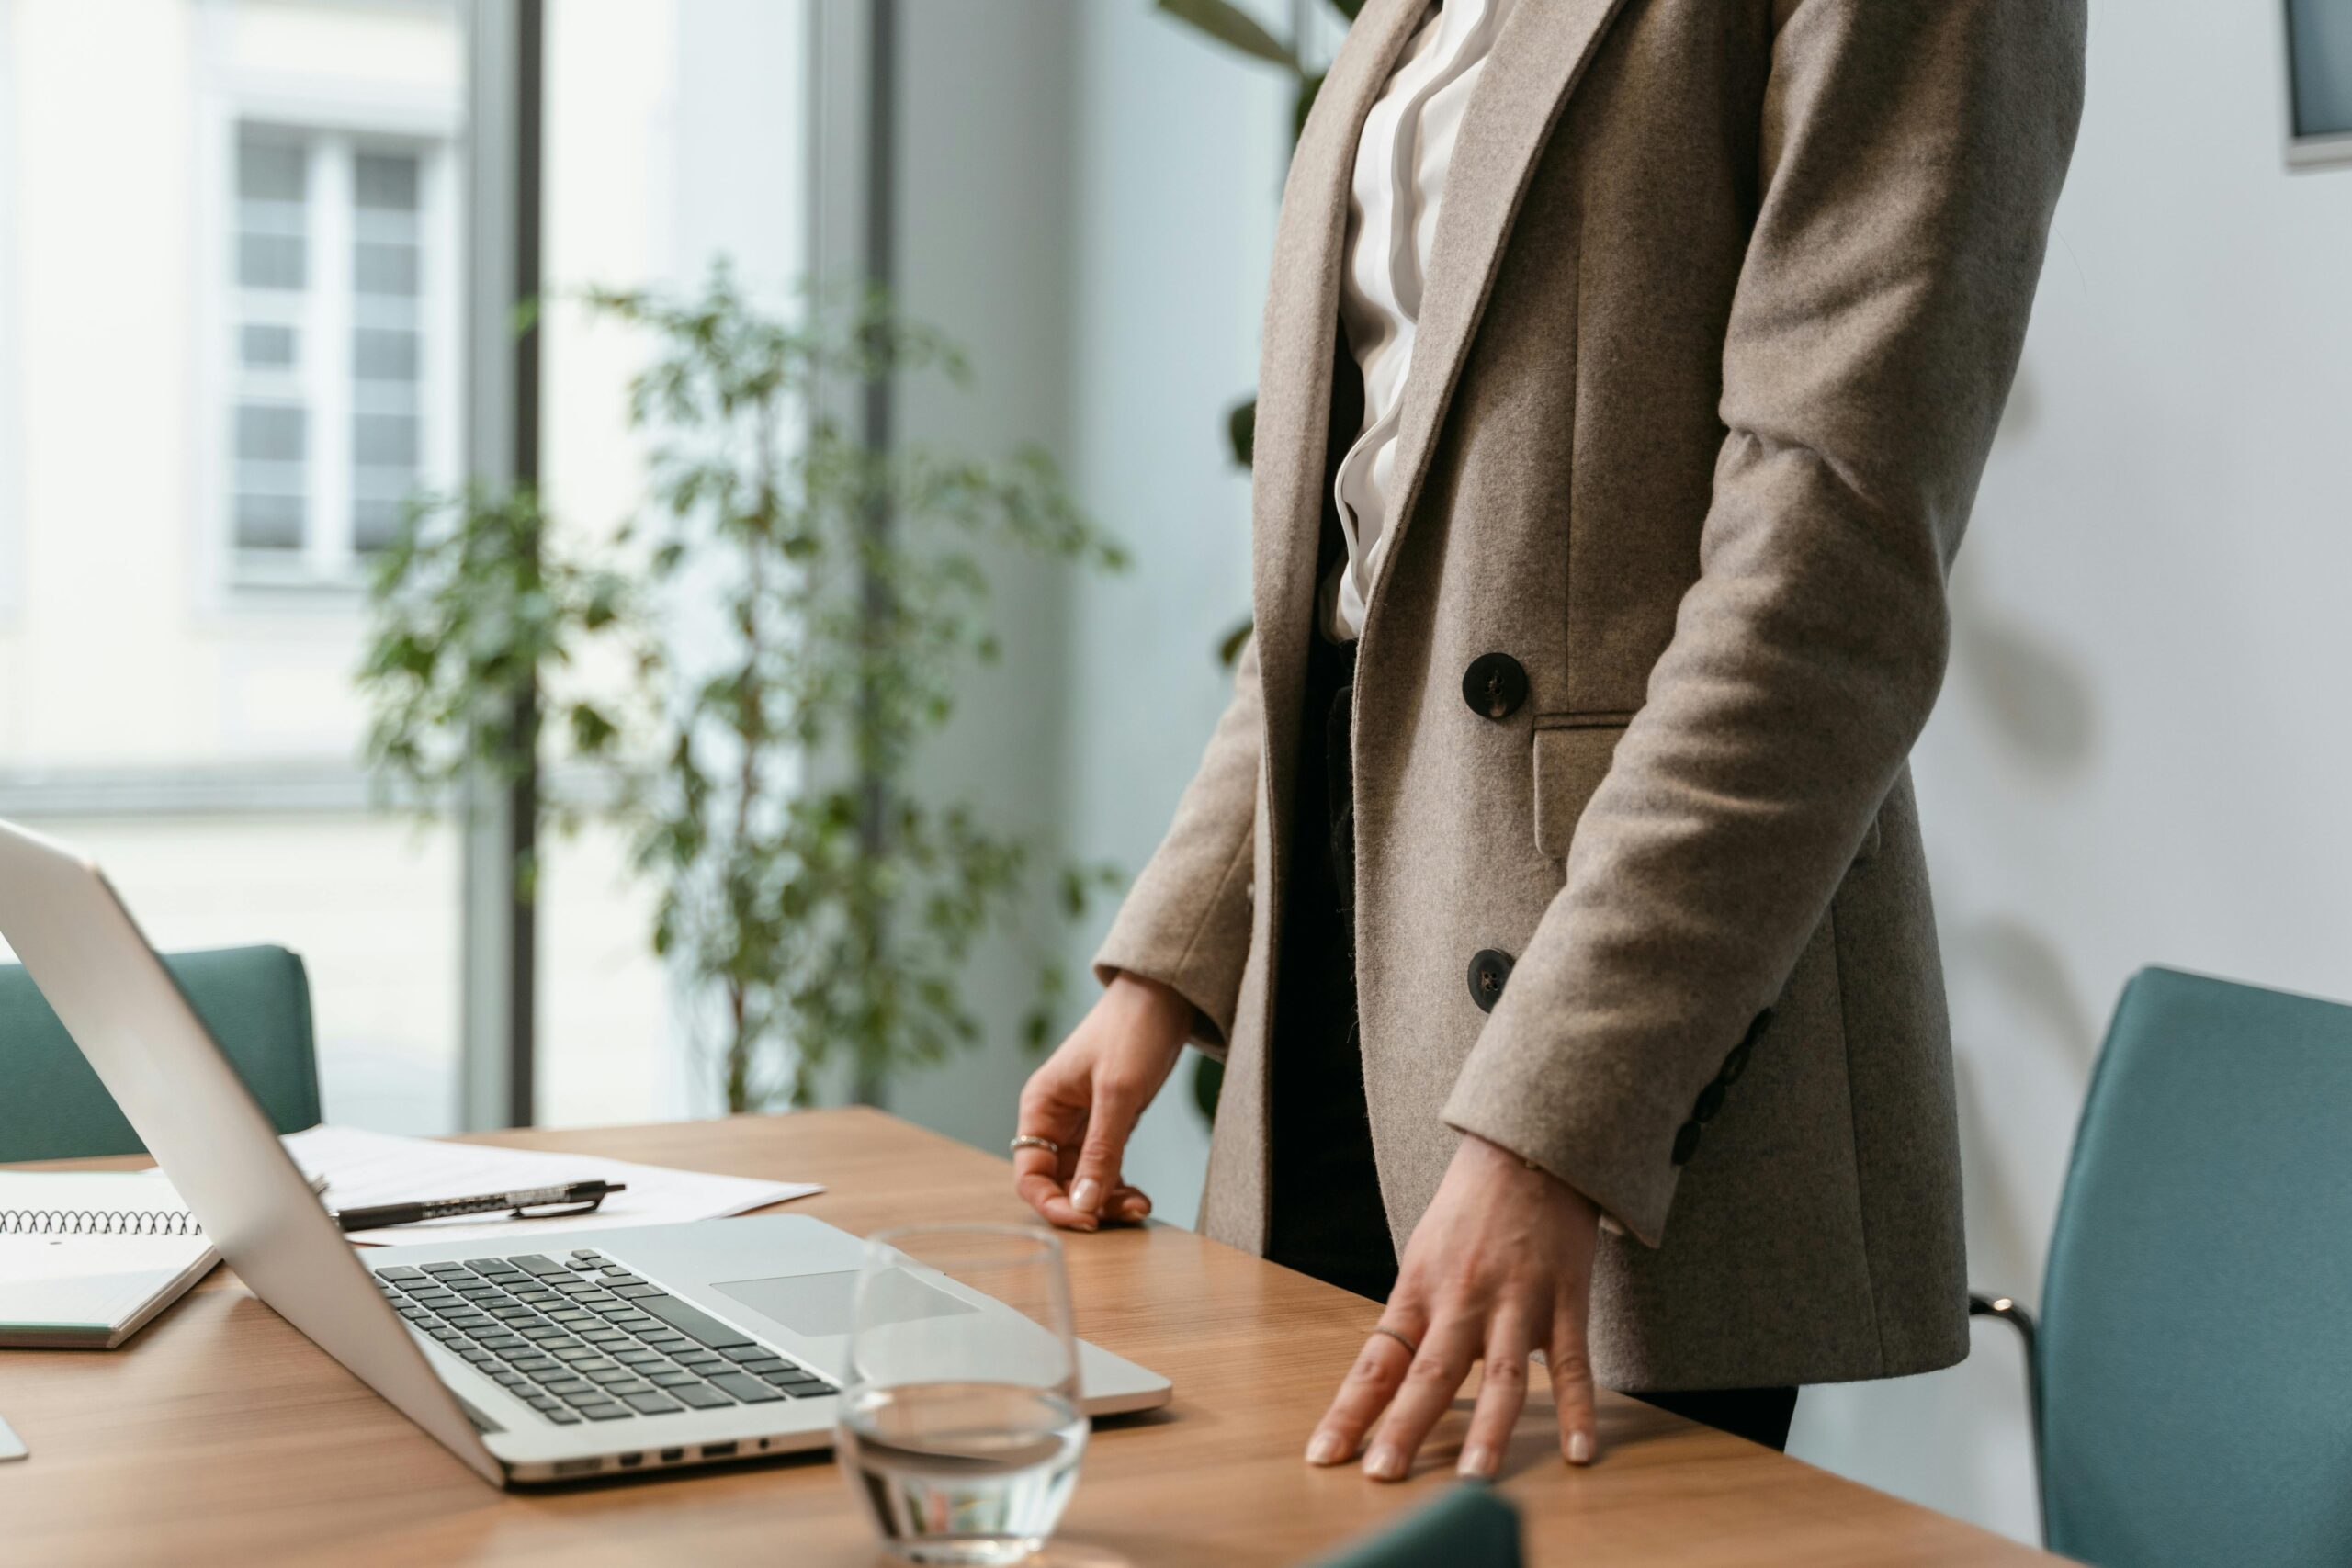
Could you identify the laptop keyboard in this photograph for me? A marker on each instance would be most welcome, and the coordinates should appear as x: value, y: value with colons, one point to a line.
x: 581, y: 1338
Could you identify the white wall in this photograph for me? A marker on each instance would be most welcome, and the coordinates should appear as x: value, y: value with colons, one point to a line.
x: 2141, y: 754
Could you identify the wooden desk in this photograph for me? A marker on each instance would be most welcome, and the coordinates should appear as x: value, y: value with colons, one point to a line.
x: 220, y: 1435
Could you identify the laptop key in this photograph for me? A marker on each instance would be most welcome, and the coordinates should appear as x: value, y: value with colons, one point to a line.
x: 652, y: 1404
x: 605, y: 1412
x: 692, y: 1321
x: 500, y: 1341
x: 587, y: 1255
x: 400, y: 1271
x: 587, y: 1395
x: 749, y: 1353
x: 701, y: 1362
x: 623, y: 1390
x: 561, y: 1416
x: 533, y: 1364
x: 444, y: 1269
x: 671, y: 1377
x: 611, y: 1375
x: 557, y: 1383
x: 640, y: 1358
x: 745, y: 1387
x: 699, y: 1396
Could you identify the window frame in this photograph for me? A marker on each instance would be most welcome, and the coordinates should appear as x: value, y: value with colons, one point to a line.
x: 335, y: 119
x: 12, y: 466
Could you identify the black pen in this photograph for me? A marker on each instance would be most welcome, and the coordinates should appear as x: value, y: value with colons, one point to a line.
x: 578, y: 1198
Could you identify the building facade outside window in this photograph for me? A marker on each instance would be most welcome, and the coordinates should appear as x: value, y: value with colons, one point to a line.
x: 340, y: 336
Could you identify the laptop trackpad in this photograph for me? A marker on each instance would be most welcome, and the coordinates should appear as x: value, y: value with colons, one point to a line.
x: 821, y: 1305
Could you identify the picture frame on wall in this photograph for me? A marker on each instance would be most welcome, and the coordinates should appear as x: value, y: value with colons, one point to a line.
x: 2319, y: 84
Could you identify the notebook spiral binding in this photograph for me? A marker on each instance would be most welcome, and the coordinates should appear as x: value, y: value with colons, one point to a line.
x: 98, y: 1222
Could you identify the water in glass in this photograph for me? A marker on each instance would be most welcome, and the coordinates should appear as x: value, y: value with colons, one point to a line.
x: 960, y: 1429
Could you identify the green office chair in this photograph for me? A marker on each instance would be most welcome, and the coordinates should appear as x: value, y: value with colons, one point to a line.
x: 1470, y: 1527
x: 2191, y: 1383
x: 256, y: 1001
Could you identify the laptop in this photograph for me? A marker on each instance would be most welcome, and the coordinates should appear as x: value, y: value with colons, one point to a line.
x: 628, y: 1349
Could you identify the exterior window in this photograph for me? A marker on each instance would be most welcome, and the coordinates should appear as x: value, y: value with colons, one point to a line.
x: 338, y: 275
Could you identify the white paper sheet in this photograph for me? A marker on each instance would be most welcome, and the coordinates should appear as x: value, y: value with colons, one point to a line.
x: 363, y: 1169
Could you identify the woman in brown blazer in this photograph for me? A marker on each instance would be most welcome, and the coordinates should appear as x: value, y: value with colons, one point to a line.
x: 1552, y: 887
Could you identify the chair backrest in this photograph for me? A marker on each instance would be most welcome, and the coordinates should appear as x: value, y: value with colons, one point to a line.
x: 256, y: 1002
x: 2196, y: 1349
x: 1470, y: 1527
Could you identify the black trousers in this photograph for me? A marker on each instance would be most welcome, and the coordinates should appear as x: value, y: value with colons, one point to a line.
x: 1326, y: 1216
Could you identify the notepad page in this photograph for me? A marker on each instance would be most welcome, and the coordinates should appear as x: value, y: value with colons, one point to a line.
x: 91, y: 1289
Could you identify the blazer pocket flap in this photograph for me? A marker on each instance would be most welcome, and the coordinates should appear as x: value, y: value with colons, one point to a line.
x: 1572, y: 756
x: 1571, y: 759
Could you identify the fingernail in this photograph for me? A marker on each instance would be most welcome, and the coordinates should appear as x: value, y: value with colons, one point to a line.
x: 1580, y: 1448
x: 1325, y: 1449
x: 1385, y: 1464
x: 1135, y: 1208
x: 1477, y: 1462
x: 1087, y: 1196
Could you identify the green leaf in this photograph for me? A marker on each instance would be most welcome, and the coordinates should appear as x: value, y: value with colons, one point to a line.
x: 1228, y: 648
x: 1308, y: 87
x: 1348, y: 9
x: 1241, y: 430
x: 1208, y: 1085
x: 1232, y: 27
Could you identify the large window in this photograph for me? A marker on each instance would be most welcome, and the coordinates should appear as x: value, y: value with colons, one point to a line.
x: 234, y: 296
x: 343, y: 270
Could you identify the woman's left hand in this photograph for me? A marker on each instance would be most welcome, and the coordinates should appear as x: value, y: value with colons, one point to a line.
x: 1500, y: 1267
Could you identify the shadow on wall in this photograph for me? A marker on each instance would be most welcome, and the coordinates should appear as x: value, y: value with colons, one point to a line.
x: 2035, y: 703
x: 2016, y: 974
x: 2038, y: 719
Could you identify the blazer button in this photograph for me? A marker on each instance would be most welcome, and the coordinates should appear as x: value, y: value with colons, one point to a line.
x: 1488, y: 971
x: 1710, y: 1099
x: 1686, y: 1143
x: 1494, y: 685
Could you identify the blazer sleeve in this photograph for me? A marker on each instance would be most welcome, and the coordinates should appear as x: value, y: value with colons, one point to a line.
x: 1911, y: 157
x: 1186, y: 922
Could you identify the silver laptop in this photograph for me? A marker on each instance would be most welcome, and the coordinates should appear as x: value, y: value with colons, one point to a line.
x: 626, y: 1349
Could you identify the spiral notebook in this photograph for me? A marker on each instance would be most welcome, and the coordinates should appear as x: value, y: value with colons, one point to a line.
x: 86, y: 1259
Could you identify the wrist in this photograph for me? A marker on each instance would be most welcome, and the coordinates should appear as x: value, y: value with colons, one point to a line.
x: 1160, y: 1010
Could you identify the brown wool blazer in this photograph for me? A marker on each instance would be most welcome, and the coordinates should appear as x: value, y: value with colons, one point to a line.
x: 1725, y: 299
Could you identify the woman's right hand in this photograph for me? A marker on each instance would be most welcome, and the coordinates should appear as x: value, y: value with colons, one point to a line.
x: 1087, y: 1098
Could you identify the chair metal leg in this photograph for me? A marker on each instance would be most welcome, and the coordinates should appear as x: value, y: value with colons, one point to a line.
x: 2016, y: 1317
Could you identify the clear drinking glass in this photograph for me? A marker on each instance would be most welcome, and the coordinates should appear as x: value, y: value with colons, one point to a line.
x: 960, y: 1426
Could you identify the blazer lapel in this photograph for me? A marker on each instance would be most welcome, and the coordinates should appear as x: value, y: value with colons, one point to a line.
x: 1294, y: 364
x: 1537, y: 61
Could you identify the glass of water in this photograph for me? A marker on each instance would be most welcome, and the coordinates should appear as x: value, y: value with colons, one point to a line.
x: 960, y: 1426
